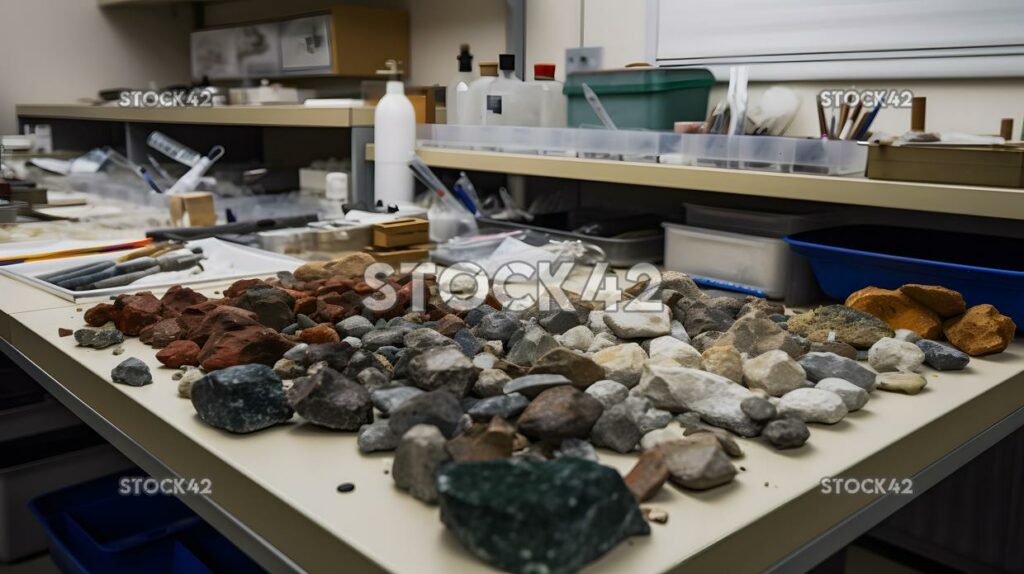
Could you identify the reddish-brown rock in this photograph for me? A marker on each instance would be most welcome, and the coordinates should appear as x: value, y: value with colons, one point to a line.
x: 328, y: 313
x: 982, y: 330
x: 133, y: 313
x: 350, y: 266
x: 177, y: 298
x: 99, y: 315
x: 582, y: 371
x: 648, y: 475
x: 322, y: 333
x: 305, y: 306
x: 560, y: 413
x: 192, y: 315
x: 481, y: 442
x: 163, y: 332
x: 222, y: 319
x: 241, y: 286
x: 178, y: 354
x: 254, y: 344
x: 945, y: 302
x: 897, y: 310
x: 62, y: 332
x: 449, y: 325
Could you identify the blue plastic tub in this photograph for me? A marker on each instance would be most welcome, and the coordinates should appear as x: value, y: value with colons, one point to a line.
x: 91, y: 528
x: 983, y: 268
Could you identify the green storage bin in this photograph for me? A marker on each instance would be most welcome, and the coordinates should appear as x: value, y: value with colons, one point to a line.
x: 646, y: 98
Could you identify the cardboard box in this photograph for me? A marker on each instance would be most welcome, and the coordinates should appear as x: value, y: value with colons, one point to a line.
x: 401, y: 232
x: 989, y: 165
x: 193, y: 209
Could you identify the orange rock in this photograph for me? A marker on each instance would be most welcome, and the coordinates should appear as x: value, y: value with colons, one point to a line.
x: 982, y: 330
x: 946, y: 302
x: 897, y: 310
x: 648, y: 475
x: 322, y: 333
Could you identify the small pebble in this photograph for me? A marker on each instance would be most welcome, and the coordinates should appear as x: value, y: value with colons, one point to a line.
x: 347, y: 487
x: 655, y: 514
x: 61, y: 331
x: 118, y: 350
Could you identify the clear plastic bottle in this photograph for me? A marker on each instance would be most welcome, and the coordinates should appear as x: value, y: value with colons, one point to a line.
x: 511, y: 101
x: 472, y: 114
x: 553, y: 105
x: 458, y: 87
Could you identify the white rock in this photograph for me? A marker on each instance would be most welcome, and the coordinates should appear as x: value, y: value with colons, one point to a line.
x: 578, y: 338
x: 659, y: 437
x: 602, y: 341
x: 597, y: 324
x: 609, y: 392
x: 622, y: 363
x: 890, y: 354
x: 354, y: 342
x: 716, y: 399
x: 775, y: 372
x: 496, y: 348
x: 853, y: 396
x: 813, y: 406
x: 907, y: 335
x: 679, y: 331
x: 678, y: 351
x: 628, y: 324
x: 192, y: 374
x: 485, y: 360
x: 909, y: 383
x: 491, y: 383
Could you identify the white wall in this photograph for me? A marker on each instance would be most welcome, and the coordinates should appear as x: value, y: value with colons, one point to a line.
x: 56, y: 51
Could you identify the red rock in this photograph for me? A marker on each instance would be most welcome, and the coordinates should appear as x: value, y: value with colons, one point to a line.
x: 982, y: 330
x: 241, y: 286
x: 945, y: 302
x: 133, y: 313
x: 177, y: 298
x: 338, y: 286
x: 897, y: 310
x: 648, y: 475
x: 99, y: 315
x: 178, y: 354
x: 305, y: 305
x: 330, y: 313
x: 322, y: 333
x: 163, y: 333
x: 332, y: 299
x: 253, y: 344
x: 221, y: 320
x: 62, y: 332
x: 192, y: 315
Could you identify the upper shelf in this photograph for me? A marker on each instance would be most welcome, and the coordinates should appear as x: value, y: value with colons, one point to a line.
x: 940, y: 198
x: 283, y: 115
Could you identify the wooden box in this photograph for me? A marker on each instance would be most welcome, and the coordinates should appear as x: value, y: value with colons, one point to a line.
x: 401, y: 232
x: 193, y: 209
x: 363, y: 38
x: 989, y: 165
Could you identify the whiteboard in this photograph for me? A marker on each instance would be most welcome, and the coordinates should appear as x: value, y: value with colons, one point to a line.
x: 812, y: 39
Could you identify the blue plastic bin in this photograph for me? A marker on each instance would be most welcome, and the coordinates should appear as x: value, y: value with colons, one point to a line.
x: 983, y: 268
x: 91, y: 528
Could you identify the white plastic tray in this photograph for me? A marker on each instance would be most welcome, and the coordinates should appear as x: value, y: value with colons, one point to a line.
x: 224, y: 261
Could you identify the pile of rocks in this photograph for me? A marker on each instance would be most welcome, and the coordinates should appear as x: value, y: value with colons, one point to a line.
x: 490, y: 410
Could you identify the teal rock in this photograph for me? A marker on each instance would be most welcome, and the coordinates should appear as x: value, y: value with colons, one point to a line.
x: 524, y: 516
x: 241, y: 399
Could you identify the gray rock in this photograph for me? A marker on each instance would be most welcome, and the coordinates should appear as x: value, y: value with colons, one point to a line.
x: 788, y: 432
x: 623, y: 363
x: 499, y: 325
x: 532, y: 385
x: 775, y: 372
x: 444, y: 368
x: 535, y: 342
x: 578, y: 338
x: 389, y: 399
x: 304, y: 322
x: 653, y: 419
x: 559, y: 321
x: 476, y: 314
x: 701, y: 318
x: 728, y: 305
x: 906, y: 335
x: 495, y: 347
x: 706, y: 340
x: 331, y: 400
x: 812, y: 406
x: 378, y: 338
x: 618, y: 427
x: 273, y: 307
x: 372, y: 378
x: 354, y: 326
x: 890, y: 354
x: 424, y: 338
x: 820, y: 366
x: 680, y: 282
x: 596, y: 323
x: 628, y: 324
x: 389, y: 352
x: 753, y: 335
x: 468, y: 344
x: 188, y: 378
x: 289, y: 369
x: 376, y: 437
x: 602, y: 341
x: 132, y: 372
x: 698, y: 466
x: 504, y: 406
x: 943, y: 357
x: 437, y: 408
x: 577, y: 448
x: 716, y: 399
x: 419, y: 455
x: 657, y: 438
x: 98, y: 338
x: 297, y: 353
x: 491, y: 383
x: 241, y: 399
x: 608, y: 392
x: 560, y: 413
x: 853, y: 396
x: 759, y: 409
x: 678, y: 330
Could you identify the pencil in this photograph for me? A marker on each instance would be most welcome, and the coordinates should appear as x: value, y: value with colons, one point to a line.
x: 822, y: 126
x: 73, y: 252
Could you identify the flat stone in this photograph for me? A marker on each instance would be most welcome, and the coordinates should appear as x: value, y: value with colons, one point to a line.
x: 485, y: 361
x: 377, y: 437
x: 241, y: 399
x: 378, y: 338
x: 331, y: 400
x: 289, y: 369
x: 906, y: 335
x: 701, y: 318
x: 648, y: 475
x: 775, y: 372
x: 716, y: 399
x: 420, y: 453
x: 759, y: 409
x: 907, y: 383
x: 657, y: 438
x: 853, y: 396
x: 559, y: 321
x: 578, y: 338
x: 602, y: 341
x: 812, y: 406
x: 499, y: 326
x: 697, y: 466
x: 504, y: 406
x: 842, y: 323
x: 654, y: 419
x: 372, y: 378
x: 560, y: 413
x: 945, y: 302
x: 838, y: 347
x: 820, y: 366
x: 132, y: 372
x: 943, y: 357
x: 444, y: 368
x: 729, y: 305
x: 897, y: 310
x: 580, y: 370
x: 982, y: 330
x: 437, y: 408
x: 596, y: 323
x: 98, y: 338
x: 476, y: 314
x: 354, y: 326
x: 389, y: 399
x: 178, y: 354
x: 525, y: 516
x: 491, y: 440
x: 490, y: 383
x: 623, y: 363
x: 754, y: 335
x: 163, y: 332
x: 618, y: 428
x: 533, y: 385
x: 253, y: 344
x: 628, y: 324
x: 577, y: 448
x: 273, y: 307
x: 786, y: 433
x: 425, y: 338
x: 890, y: 354
x: 449, y: 325
x: 669, y: 347
x: 534, y: 343
x: 608, y: 392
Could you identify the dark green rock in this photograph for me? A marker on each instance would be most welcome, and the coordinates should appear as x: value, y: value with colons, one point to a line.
x: 241, y: 399
x: 524, y: 516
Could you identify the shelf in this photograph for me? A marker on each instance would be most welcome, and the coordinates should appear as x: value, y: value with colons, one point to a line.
x: 283, y: 115
x: 959, y: 199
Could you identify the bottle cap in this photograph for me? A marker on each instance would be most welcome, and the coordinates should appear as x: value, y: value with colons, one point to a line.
x: 544, y: 71
x: 488, y: 68
x: 465, y: 59
x: 507, y: 62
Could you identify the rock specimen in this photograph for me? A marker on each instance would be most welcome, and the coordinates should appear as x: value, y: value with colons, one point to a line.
x: 897, y: 310
x: 619, y: 426
x: 444, y: 368
x: 355, y: 326
x: 287, y: 369
x: 98, y: 338
x: 982, y: 330
x: 943, y: 357
x: 812, y: 406
x: 490, y: 383
x: 560, y: 413
x: 820, y: 366
x: 533, y: 385
x: 179, y: 353
x: 525, y: 516
x: 351, y: 266
x: 697, y: 466
x: 504, y: 406
x: 534, y: 342
x: 483, y: 441
x: 377, y: 437
x: 671, y: 348
x: 787, y: 432
x: 580, y: 370
x: 420, y: 453
x: 775, y: 372
x: 648, y: 475
x: 425, y: 338
x: 754, y: 335
x: 218, y: 321
x: 163, y: 332
x: 322, y: 333
x: 559, y: 321
x: 188, y: 378
x: 628, y: 324
x: 853, y: 327
x: 716, y: 399
x: 623, y: 363
x: 700, y: 318
x: 608, y: 392
x: 330, y: 400
x: 760, y: 410
x: 249, y: 345
x: 908, y: 383
x: 437, y: 408
x: 389, y: 399
x: 853, y: 396
x: 132, y: 372
x: 578, y: 338
x: 724, y: 361
x: 498, y: 326
x: 133, y: 313
x: 241, y: 399
x: 945, y: 302
x: 890, y: 354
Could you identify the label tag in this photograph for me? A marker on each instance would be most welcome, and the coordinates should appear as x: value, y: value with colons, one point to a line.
x: 494, y: 104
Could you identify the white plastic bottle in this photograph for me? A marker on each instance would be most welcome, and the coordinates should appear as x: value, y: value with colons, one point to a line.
x: 472, y: 114
x: 553, y: 105
x: 458, y: 88
x: 511, y: 101
x: 394, y: 129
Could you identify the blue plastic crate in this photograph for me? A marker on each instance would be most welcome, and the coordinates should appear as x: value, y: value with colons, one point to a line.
x: 983, y: 268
